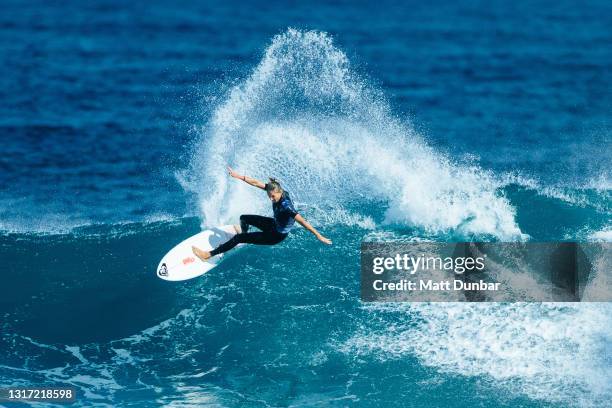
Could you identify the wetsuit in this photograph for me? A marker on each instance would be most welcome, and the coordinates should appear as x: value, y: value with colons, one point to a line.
x: 273, y: 230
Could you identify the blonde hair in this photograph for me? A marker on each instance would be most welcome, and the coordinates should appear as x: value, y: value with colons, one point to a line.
x: 273, y: 186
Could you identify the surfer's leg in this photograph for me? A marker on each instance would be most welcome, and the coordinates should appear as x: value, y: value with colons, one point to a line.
x: 256, y: 238
x: 260, y: 238
x: 224, y: 247
x: 262, y: 223
x: 227, y: 245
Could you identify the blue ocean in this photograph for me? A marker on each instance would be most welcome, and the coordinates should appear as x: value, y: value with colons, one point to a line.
x: 394, y: 121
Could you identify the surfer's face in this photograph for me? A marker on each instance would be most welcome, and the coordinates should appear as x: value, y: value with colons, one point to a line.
x: 275, y: 196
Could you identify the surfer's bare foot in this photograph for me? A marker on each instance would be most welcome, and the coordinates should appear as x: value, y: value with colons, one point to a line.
x: 203, y: 255
x: 237, y: 229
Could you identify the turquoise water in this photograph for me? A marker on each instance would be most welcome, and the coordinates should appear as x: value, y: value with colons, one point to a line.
x: 437, y: 121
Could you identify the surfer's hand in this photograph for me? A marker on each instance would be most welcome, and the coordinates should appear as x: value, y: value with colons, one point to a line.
x: 232, y: 173
x: 324, y: 240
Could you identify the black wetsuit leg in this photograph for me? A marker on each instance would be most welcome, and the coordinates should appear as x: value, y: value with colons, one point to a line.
x: 268, y: 235
x: 263, y: 223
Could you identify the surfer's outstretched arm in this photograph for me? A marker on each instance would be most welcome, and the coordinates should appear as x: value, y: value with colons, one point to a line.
x: 248, y: 180
x: 310, y: 228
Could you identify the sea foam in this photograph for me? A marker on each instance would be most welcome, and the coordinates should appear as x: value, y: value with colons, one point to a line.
x: 304, y: 116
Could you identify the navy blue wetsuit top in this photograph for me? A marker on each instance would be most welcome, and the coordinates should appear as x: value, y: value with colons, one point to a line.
x: 284, y: 214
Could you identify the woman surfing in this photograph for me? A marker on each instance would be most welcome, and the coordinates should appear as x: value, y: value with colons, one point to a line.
x: 272, y: 230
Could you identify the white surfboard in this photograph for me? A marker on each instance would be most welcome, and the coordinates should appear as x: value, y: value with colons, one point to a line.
x: 181, y: 264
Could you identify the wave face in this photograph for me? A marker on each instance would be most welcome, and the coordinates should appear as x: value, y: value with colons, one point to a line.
x: 279, y: 324
x: 282, y: 325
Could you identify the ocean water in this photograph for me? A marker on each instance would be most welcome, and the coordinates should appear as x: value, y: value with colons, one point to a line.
x: 386, y: 121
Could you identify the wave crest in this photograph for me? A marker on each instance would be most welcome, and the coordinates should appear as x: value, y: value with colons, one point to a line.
x: 305, y: 117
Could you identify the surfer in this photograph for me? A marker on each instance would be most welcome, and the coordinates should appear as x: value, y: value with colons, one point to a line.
x: 272, y: 230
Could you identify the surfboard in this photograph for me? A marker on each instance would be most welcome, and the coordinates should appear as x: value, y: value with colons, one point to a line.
x: 181, y: 264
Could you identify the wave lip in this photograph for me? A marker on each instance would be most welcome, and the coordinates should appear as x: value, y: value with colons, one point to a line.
x: 305, y: 116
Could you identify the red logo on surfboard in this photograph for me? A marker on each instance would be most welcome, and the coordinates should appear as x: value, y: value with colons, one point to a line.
x: 188, y: 260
